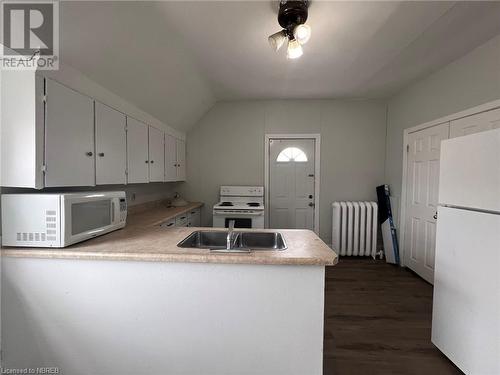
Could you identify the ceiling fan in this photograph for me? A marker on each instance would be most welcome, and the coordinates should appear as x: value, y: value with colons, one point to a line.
x: 292, y: 16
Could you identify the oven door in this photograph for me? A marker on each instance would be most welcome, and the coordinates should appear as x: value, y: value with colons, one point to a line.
x: 242, y: 219
x: 90, y: 215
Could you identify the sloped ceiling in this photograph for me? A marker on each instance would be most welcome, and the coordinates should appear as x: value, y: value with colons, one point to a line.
x: 175, y: 59
x: 129, y: 48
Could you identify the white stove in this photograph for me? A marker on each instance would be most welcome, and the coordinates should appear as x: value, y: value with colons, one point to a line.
x: 243, y: 204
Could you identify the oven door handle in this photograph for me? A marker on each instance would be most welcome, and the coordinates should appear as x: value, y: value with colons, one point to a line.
x: 235, y: 214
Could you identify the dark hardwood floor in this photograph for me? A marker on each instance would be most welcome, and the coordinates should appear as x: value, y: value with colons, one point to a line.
x: 378, y: 321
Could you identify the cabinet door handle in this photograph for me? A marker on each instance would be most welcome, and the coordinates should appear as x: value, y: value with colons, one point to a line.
x: 89, y: 153
x: 101, y: 154
x: 147, y: 161
x: 152, y: 161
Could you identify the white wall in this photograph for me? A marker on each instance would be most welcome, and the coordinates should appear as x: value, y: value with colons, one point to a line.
x: 226, y: 147
x: 78, y: 81
x: 467, y: 82
x: 136, y: 193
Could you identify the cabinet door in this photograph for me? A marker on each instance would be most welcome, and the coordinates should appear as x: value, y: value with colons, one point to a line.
x: 170, y: 158
x: 181, y: 160
x: 69, y: 137
x: 137, y: 151
x: 181, y: 220
x: 110, y: 145
x: 156, y: 155
x: 476, y: 123
x: 168, y: 224
x: 194, y: 218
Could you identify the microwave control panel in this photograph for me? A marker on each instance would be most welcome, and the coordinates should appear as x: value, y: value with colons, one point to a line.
x: 123, y: 209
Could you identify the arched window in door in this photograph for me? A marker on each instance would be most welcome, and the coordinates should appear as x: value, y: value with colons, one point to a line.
x: 292, y: 154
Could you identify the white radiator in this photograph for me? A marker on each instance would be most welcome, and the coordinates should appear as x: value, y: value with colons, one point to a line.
x: 354, y: 228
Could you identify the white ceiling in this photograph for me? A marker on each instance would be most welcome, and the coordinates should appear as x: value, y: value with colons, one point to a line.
x: 175, y: 59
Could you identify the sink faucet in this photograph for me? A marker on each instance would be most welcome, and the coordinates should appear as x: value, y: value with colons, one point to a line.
x: 229, y: 234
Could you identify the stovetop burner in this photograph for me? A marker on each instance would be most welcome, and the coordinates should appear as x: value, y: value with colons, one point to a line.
x: 253, y: 204
x: 225, y: 204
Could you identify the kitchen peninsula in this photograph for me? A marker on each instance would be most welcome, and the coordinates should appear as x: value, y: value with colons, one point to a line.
x: 133, y: 302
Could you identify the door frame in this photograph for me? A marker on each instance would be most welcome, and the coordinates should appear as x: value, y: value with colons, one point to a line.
x: 406, y: 133
x: 317, y: 171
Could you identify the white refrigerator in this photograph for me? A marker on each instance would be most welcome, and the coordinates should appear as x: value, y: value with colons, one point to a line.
x: 466, y: 307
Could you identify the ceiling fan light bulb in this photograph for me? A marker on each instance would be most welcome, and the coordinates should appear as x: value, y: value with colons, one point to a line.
x: 294, y: 49
x: 302, y: 33
x: 277, y: 40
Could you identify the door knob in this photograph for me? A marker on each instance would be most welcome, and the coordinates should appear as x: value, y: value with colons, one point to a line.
x: 310, y: 196
x: 435, y: 216
x: 311, y: 204
x: 152, y: 161
x: 89, y: 153
x: 101, y: 154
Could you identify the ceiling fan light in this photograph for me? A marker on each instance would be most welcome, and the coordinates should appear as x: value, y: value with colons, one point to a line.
x: 302, y: 33
x: 277, y: 40
x: 294, y: 49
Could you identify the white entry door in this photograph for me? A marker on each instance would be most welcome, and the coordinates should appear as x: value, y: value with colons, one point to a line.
x: 422, y: 198
x: 291, y: 183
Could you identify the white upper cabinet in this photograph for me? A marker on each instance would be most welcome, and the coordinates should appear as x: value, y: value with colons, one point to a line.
x: 54, y: 136
x: 156, y: 155
x: 170, y: 158
x: 110, y: 145
x: 181, y: 160
x: 476, y: 123
x: 69, y: 137
x: 137, y: 151
x: 22, y: 129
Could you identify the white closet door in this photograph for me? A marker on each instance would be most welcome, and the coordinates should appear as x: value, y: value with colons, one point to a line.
x: 181, y: 160
x: 111, y: 145
x: 137, y: 151
x: 422, y: 199
x: 170, y: 158
x: 476, y: 123
x: 69, y: 137
x: 156, y: 155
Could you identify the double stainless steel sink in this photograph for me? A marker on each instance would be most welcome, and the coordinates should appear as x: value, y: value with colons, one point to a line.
x: 234, y: 241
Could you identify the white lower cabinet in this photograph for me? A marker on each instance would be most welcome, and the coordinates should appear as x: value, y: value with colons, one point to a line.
x: 190, y: 218
x: 168, y: 224
x: 137, y: 152
x: 110, y: 145
x: 69, y: 137
x: 181, y: 220
x: 156, y: 155
x: 194, y: 218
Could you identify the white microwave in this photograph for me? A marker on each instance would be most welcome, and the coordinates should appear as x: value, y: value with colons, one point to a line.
x: 59, y: 220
